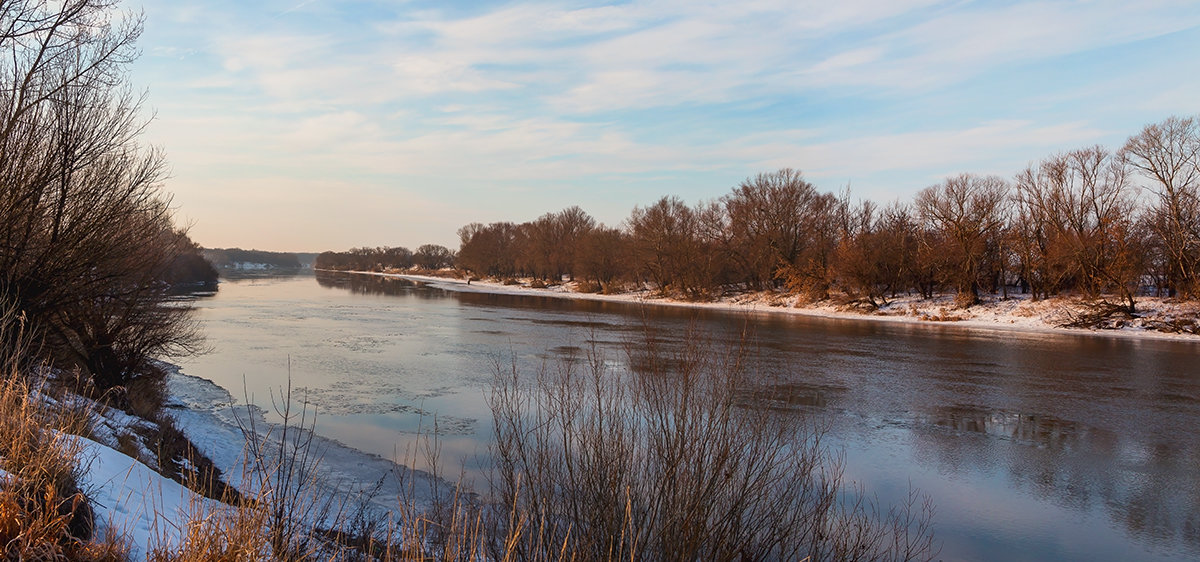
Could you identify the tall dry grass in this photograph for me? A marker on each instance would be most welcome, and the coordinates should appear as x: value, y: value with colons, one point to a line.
x: 44, y: 515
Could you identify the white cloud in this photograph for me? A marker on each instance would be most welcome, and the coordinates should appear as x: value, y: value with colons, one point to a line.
x: 441, y: 98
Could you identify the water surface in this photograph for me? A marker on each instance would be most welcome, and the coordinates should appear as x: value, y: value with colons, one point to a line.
x: 1033, y: 446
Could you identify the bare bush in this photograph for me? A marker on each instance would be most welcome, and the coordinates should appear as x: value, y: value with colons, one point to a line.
x: 678, y: 459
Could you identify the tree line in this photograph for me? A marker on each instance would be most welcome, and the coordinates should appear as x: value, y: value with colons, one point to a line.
x: 231, y: 258
x: 427, y: 256
x: 1092, y: 222
x: 88, y: 248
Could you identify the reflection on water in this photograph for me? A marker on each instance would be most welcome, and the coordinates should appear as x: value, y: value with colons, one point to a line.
x: 1033, y: 446
x: 1032, y: 429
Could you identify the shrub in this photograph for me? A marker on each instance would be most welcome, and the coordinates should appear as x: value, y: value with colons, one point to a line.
x: 678, y: 459
x: 587, y: 287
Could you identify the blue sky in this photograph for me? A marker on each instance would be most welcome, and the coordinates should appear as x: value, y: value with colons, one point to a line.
x: 323, y: 124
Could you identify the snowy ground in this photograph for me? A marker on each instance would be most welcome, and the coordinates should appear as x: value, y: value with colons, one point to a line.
x: 134, y: 501
x: 204, y: 411
x: 1016, y: 313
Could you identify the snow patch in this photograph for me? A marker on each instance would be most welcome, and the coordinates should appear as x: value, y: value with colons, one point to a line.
x: 133, y: 501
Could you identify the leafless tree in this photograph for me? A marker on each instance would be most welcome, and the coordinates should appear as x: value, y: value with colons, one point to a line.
x: 491, y: 249
x: 782, y: 231
x: 433, y: 256
x: 85, y: 232
x: 1079, y: 209
x: 1168, y: 155
x: 602, y: 257
x: 573, y: 224
x: 668, y: 247
x: 875, y: 260
x: 967, y: 211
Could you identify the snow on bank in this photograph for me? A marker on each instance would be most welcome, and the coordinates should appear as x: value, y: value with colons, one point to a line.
x: 147, y: 509
x: 1018, y: 313
x: 135, y: 502
x: 207, y: 415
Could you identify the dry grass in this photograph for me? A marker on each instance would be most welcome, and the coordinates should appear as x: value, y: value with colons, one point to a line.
x: 43, y: 513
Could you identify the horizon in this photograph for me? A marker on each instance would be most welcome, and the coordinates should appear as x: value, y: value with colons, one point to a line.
x: 323, y: 126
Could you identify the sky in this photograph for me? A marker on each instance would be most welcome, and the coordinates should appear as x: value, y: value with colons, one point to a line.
x: 312, y: 125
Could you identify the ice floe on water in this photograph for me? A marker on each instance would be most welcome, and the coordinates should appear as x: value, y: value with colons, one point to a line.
x: 221, y: 429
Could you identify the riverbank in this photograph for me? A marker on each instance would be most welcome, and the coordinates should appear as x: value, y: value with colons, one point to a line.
x: 1016, y: 313
x: 325, y: 484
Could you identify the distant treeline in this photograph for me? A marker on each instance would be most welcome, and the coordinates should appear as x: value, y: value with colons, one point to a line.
x: 1075, y: 223
x: 428, y: 256
x: 1091, y: 222
x: 237, y: 258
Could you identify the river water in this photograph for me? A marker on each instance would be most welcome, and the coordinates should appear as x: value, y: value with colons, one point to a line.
x: 1032, y: 446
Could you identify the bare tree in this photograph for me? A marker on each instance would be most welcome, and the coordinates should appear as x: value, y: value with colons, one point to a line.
x: 573, y: 224
x: 85, y: 234
x: 769, y: 215
x: 876, y: 258
x: 540, y: 248
x: 488, y: 249
x: 667, y: 246
x: 1168, y: 154
x: 433, y: 256
x: 1079, y: 208
x: 967, y: 211
x: 602, y: 257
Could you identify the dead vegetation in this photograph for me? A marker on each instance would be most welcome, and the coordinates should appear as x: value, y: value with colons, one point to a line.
x: 668, y: 462
x: 44, y: 514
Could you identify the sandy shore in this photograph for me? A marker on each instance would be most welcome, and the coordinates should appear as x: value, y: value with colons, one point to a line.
x: 1018, y: 313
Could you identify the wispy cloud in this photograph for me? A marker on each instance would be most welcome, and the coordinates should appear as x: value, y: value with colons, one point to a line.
x: 419, y: 97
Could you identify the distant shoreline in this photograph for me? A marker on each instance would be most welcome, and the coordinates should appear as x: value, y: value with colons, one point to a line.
x: 1017, y: 314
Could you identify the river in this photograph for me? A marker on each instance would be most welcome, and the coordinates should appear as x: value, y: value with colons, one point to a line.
x: 1032, y: 446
